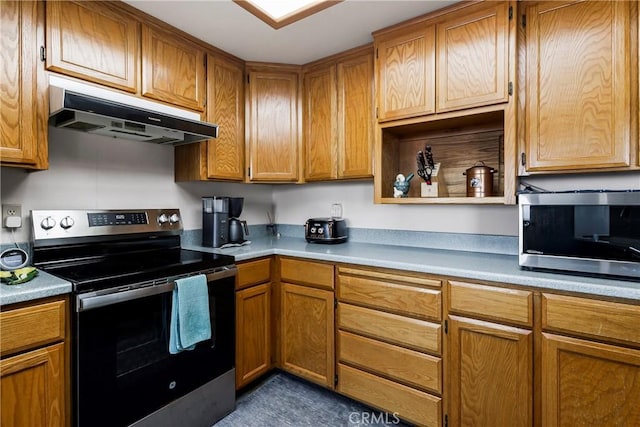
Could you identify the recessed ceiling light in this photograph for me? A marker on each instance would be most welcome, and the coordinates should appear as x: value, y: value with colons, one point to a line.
x: 278, y: 13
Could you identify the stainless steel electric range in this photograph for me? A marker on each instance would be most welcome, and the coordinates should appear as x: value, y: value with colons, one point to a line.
x: 123, y: 265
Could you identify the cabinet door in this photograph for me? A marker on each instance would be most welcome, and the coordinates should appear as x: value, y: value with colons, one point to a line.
x: 253, y: 333
x: 273, y: 121
x: 173, y: 69
x: 473, y: 65
x: 23, y: 87
x: 307, y: 337
x: 32, y: 387
x: 491, y: 374
x: 93, y: 41
x: 355, y: 117
x: 225, y: 107
x: 578, y: 99
x: 406, y: 73
x: 589, y: 383
x: 320, y: 115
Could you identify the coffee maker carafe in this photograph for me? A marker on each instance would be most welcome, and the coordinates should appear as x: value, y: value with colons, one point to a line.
x: 237, y: 228
x: 215, y: 221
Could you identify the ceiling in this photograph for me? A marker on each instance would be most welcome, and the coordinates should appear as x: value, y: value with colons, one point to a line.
x: 231, y: 28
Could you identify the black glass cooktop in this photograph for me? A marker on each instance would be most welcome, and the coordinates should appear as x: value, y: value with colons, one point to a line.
x: 116, y: 270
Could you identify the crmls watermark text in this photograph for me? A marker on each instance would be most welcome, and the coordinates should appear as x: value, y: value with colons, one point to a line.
x: 366, y: 418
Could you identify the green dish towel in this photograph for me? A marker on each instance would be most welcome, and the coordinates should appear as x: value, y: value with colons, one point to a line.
x: 190, y: 320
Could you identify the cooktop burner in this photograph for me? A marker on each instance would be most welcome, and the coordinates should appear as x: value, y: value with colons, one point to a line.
x: 121, y: 270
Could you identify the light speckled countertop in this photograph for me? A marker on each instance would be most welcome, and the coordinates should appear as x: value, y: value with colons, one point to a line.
x: 469, y: 265
x: 43, y: 285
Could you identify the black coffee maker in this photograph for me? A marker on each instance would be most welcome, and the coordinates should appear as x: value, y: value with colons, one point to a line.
x: 237, y: 228
x: 215, y: 221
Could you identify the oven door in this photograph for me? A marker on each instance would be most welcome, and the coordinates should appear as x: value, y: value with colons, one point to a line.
x: 123, y: 370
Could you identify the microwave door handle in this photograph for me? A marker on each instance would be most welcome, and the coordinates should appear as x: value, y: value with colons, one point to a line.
x: 88, y: 302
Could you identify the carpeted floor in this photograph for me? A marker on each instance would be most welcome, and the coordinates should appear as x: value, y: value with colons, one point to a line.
x: 284, y: 400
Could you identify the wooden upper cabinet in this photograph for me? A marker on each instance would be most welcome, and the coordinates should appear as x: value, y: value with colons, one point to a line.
x: 320, y: 124
x: 93, y: 41
x: 23, y: 86
x: 273, y: 125
x: 473, y: 57
x: 173, y: 69
x: 578, y: 111
x: 405, y: 70
x: 355, y: 116
x: 225, y: 107
x: 338, y: 118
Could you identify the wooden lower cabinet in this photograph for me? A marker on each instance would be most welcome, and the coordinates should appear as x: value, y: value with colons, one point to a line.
x: 389, y: 355
x: 586, y: 383
x: 307, y: 333
x: 490, y: 374
x: 398, y: 400
x: 33, y: 368
x: 33, y: 388
x: 253, y: 333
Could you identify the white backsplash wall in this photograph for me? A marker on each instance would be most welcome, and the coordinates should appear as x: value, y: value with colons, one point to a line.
x: 295, y: 204
x: 96, y: 172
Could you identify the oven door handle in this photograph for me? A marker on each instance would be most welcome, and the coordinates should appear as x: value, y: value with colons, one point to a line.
x: 90, y: 301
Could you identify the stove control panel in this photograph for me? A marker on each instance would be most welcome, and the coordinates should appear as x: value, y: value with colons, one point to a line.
x: 62, y: 224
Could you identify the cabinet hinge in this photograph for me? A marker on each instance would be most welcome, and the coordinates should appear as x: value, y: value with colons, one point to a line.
x: 510, y: 88
x: 335, y: 381
x: 446, y: 326
x: 446, y: 421
x: 376, y: 112
x: 510, y: 13
x: 247, y: 78
x: 523, y: 159
x: 335, y: 303
x: 524, y: 21
x: 249, y: 172
x: 43, y: 53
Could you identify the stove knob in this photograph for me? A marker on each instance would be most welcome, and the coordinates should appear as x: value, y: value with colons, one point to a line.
x: 48, y: 223
x: 163, y: 219
x: 174, y: 218
x: 67, y: 222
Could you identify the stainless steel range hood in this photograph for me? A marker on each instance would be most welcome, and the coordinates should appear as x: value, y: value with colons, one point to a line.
x: 82, y: 107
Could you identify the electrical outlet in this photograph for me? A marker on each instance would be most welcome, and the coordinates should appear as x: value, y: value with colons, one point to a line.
x: 336, y: 210
x: 10, y: 210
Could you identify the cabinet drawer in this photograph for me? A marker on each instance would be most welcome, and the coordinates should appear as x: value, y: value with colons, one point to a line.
x: 400, y: 330
x: 397, y: 363
x: 591, y: 318
x: 306, y: 272
x: 399, y: 297
x: 491, y: 302
x: 32, y: 326
x: 410, y: 404
x: 253, y: 272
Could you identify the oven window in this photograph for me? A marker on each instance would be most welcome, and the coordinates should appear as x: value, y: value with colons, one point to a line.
x: 142, y: 336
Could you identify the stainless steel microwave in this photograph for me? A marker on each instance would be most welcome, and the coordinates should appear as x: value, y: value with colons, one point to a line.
x: 596, y: 233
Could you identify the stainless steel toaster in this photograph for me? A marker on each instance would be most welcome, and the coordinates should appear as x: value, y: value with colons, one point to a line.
x: 325, y: 230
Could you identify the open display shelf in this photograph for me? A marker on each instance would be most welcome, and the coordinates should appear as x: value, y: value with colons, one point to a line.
x: 457, y: 144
